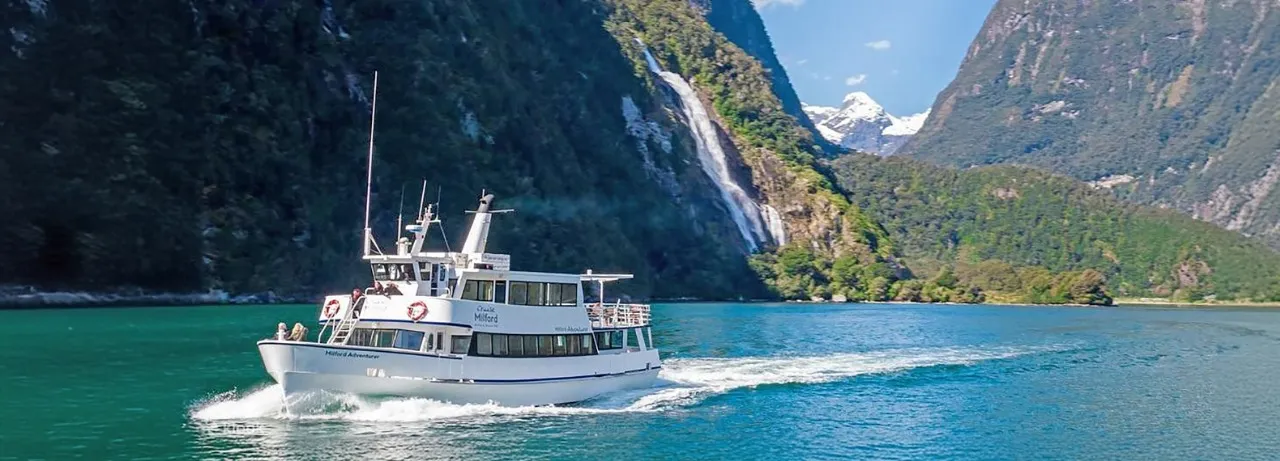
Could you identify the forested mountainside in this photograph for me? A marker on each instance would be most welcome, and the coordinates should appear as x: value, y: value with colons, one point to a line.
x: 1012, y: 231
x: 741, y: 24
x: 220, y: 145
x: 1170, y: 103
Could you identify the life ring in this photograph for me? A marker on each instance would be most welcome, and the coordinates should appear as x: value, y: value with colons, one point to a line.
x: 419, y: 314
x: 331, y: 308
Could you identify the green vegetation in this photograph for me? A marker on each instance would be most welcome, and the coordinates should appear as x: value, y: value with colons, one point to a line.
x: 1179, y: 96
x: 175, y: 146
x: 1024, y: 235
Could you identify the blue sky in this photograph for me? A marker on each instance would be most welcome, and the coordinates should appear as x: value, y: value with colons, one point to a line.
x: 901, y: 52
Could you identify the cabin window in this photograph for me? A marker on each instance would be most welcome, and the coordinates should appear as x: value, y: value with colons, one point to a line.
x: 536, y: 293
x: 460, y: 344
x: 484, y: 344
x: 544, y: 345
x: 500, y: 345
x: 439, y: 340
x: 478, y: 290
x: 398, y: 272
x: 469, y: 290
x: 608, y: 340
x: 408, y: 339
x: 560, y: 346
x: 500, y: 292
x: 568, y: 294
x: 431, y: 343
x: 381, y: 272
x: 553, y: 294
x: 575, y: 344
x: 531, y: 346
x: 384, y: 338
x: 515, y: 345
x: 519, y: 293
x: 586, y: 344
x: 360, y: 337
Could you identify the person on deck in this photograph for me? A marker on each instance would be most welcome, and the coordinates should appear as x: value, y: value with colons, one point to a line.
x: 299, y: 332
x: 392, y: 290
x: 280, y: 333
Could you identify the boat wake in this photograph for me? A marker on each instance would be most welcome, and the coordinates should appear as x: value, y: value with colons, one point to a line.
x: 683, y: 382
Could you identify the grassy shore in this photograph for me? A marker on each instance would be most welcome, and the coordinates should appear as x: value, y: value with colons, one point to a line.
x: 1212, y: 303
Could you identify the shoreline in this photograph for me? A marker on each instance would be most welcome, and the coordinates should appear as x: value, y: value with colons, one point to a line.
x: 22, y: 297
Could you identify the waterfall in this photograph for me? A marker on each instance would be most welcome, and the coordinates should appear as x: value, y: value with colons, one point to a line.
x: 745, y: 213
x: 773, y: 221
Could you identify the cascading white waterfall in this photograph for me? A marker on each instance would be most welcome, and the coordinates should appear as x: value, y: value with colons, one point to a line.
x: 745, y: 213
x: 773, y: 221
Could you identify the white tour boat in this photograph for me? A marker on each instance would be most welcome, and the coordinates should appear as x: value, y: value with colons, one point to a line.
x: 462, y: 327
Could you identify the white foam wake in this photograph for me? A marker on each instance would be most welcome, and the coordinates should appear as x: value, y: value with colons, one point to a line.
x: 684, y: 382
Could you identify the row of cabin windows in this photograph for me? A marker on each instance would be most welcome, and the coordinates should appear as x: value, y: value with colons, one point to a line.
x: 521, y: 293
x: 407, y: 340
x: 504, y: 345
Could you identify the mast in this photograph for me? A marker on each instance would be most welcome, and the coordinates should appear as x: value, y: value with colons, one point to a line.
x: 368, y: 190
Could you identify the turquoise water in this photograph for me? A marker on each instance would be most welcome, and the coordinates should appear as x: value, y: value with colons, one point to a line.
x: 740, y: 382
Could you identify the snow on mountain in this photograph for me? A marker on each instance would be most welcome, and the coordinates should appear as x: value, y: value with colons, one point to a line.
x: 861, y: 123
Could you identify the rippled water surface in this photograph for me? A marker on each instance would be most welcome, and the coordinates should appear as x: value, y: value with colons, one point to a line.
x: 739, y: 382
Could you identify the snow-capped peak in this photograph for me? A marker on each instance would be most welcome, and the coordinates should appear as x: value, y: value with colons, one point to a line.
x: 862, y: 123
x: 908, y: 125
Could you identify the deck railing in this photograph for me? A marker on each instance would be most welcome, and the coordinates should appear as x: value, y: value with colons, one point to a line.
x: 618, y: 315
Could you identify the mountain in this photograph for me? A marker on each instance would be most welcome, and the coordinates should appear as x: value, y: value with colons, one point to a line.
x: 1172, y: 104
x: 220, y: 147
x: 193, y: 146
x: 741, y: 24
x: 1016, y: 231
x: 860, y: 123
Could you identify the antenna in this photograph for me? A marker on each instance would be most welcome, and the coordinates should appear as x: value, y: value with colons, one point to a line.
x: 422, y: 199
x: 368, y: 190
x: 443, y: 236
x: 400, y: 214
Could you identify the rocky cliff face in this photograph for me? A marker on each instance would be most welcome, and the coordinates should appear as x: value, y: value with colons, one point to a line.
x: 860, y: 123
x: 220, y: 145
x: 1166, y: 103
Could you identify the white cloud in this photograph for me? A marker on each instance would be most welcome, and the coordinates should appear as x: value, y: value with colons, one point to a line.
x: 802, y: 62
x: 855, y: 80
x: 878, y: 45
x: 762, y: 4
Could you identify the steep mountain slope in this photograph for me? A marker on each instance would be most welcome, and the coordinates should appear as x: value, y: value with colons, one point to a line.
x: 860, y: 123
x: 219, y: 145
x: 778, y: 155
x: 1167, y: 103
x: 993, y: 224
x: 741, y: 24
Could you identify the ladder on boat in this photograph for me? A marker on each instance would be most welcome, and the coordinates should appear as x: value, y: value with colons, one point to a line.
x: 346, y: 324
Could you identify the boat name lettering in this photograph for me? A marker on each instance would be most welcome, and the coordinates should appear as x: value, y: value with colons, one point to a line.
x: 487, y: 315
x: 357, y: 355
x: 571, y: 329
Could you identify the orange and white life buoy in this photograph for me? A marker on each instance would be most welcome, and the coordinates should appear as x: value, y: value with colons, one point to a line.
x: 331, y: 308
x: 417, y: 310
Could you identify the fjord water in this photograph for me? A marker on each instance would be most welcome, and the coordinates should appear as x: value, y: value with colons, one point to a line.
x: 739, y: 381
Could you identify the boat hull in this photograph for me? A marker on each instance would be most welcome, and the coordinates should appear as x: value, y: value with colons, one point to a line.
x: 309, y: 367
